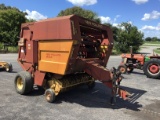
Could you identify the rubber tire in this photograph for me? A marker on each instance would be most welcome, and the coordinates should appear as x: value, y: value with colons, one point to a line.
x: 27, y: 82
x: 8, y: 67
x: 52, y: 97
x: 145, y: 68
x: 131, y: 70
x: 91, y: 85
x: 122, y: 66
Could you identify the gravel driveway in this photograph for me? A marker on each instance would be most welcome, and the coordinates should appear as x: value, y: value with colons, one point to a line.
x: 81, y: 103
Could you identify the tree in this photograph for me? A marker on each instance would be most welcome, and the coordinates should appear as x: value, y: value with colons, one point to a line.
x: 81, y: 12
x: 30, y: 20
x: 148, y: 39
x: 114, y: 30
x: 10, y: 24
x: 128, y: 35
x: 154, y: 39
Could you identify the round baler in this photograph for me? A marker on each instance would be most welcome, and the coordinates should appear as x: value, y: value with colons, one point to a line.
x: 60, y: 53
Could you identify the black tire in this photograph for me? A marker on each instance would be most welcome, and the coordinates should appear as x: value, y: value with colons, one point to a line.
x: 91, y: 85
x: 23, y: 82
x: 50, y: 95
x: 122, y: 69
x: 155, y: 73
x: 8, y: 67
x: 130, y: 70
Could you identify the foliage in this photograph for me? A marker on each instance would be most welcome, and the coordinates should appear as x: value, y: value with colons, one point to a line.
x: 152, y: 39
x: 148, y: 39
x: 114, y: 30
x: 30, y: 20
x: 10, y: 23
x: 128, y: 35
x: 13, y: 49
x: 1, y: 46
x: 81, y: 12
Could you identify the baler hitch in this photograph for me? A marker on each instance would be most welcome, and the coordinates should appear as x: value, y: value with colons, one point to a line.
x: 116, y: 90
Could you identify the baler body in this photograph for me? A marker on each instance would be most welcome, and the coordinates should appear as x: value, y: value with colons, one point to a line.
x: 64, y: 49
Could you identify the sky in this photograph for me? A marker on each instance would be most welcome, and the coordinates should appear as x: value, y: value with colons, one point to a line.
x: 145, y: 14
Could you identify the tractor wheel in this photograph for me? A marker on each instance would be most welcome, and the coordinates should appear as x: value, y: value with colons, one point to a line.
x: 152, y: 68
x: 91, y: 85
x: 23, y: 82
x: 50, y: 95
x: 130, y: 70
x: 122, y: 69
x: 8, y: 67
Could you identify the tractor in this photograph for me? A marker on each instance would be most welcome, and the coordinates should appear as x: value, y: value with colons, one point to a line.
x: 149, y: 64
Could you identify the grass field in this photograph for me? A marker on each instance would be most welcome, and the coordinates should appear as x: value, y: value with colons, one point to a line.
x: 153, y: 43
x: 157, y: 50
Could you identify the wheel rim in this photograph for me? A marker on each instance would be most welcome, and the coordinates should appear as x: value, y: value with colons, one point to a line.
x: 129, y: 69
x: 19, y: 83
x: 122, y: 69
x: 48, y: 96
x: 153, y: 69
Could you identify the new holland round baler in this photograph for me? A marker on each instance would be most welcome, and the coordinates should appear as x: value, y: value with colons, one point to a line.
x: 63, y: 52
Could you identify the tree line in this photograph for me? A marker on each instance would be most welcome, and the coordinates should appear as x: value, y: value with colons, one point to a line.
x: 152, y: 39
x: 125, y: 35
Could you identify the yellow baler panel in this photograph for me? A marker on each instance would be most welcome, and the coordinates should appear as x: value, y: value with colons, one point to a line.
x: 54, y: 55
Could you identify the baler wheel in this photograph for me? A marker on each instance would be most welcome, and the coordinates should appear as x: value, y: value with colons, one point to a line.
x: 152, y: 68
x: 50, y: 95
x: 8, y: 67
x: 23, y: 82
x: 122, y: 69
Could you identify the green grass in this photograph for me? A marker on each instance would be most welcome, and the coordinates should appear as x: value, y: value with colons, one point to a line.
x: 152, y: 42
x: 157, y: 45
x: 143, y: 46
x: 157, y: 50
x: 11, y: 49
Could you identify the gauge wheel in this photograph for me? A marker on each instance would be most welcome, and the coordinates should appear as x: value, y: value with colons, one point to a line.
x: 50, y: 95
x: 152, y: 68
x: 23, y: 82
x: 122, y: 69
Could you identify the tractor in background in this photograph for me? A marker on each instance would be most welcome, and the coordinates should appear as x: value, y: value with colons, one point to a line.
x: 6, y: 66
x: 149, y: 64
